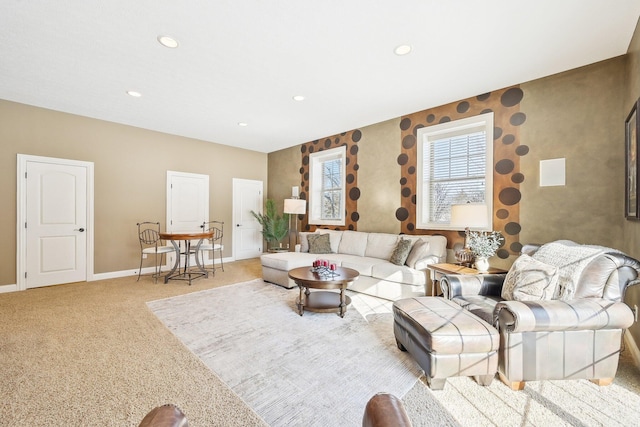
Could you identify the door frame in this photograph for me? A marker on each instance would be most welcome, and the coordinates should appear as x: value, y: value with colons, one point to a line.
x: 235, y: 183
x: 21, y: 215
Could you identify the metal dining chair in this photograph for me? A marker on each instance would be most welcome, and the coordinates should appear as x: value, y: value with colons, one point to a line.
x: 150, y: 244
x: 214, y: 243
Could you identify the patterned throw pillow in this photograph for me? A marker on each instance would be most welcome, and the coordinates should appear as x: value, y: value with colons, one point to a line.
x: 401, y: 252
x: 418, y: 251
x: 530, y: 280
x: 319, y: 244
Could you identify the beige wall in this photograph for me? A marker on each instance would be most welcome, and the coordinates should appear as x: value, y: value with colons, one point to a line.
x: 130, y: 176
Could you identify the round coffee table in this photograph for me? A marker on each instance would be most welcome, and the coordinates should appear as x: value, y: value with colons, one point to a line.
x: 323, y: 301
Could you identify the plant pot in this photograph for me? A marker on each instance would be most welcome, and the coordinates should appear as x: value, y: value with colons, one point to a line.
x: 482, y: 264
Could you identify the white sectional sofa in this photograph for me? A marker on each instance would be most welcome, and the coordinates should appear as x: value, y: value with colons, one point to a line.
x: 369, y: 254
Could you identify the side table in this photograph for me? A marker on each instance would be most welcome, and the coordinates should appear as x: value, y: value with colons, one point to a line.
x: 438, y: 270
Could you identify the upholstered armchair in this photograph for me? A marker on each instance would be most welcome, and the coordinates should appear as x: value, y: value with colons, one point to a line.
x: 559, y: 311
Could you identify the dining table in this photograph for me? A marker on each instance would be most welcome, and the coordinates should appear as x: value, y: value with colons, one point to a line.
x: 188, y: 274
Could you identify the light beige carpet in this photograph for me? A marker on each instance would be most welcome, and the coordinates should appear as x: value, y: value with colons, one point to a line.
x: 313, y: 370
x: 93, y: 354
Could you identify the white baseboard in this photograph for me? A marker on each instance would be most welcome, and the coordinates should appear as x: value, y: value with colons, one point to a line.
x: 8, y: 288
x: 117, y: 274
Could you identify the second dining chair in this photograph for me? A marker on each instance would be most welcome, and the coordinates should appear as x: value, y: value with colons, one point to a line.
x: 214, y: 243
x: 151, y: 244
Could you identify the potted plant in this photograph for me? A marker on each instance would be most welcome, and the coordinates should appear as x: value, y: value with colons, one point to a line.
x: 275, y: 227
x: 484, y: 245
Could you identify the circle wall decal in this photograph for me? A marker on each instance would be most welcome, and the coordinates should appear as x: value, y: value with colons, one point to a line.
x: 402, y: 214
x: 512, y: 97
x: 505, y: 166
x: 509, y: 196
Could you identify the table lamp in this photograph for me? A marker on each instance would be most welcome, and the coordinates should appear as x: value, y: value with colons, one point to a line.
x: 468, y: 215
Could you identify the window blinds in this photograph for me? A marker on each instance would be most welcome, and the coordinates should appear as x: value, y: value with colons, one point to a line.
x: 454, y: 172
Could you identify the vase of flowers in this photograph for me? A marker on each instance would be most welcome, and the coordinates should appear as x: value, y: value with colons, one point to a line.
x: 484, y: 245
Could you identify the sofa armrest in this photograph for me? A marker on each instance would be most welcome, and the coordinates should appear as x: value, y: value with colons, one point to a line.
x: 455, y: 285
x: 556, y: 315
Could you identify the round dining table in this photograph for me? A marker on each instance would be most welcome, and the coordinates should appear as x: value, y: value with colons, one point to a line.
x: 188, y: 237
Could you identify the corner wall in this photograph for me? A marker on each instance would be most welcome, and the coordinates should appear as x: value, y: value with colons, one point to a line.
x: 130, y: 176
x: 575, y: 115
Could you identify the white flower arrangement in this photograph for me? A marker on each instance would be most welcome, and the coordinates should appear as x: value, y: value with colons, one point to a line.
x: 484, y: 244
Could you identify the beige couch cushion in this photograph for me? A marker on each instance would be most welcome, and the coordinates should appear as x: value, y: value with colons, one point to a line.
x: 395, y: 273
x: 364, y: 265
x: 380, y: 245
x: 353, y: 243
x: 287, y: 260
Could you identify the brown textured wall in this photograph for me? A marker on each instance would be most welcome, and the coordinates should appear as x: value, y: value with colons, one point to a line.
x: 631, y: 229
x: 378, y: 177
x: 507, y: 150
x: 576, y: 115
x: 283, y: 174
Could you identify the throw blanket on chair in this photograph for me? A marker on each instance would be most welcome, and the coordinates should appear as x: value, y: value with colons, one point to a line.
x: 571, y: 258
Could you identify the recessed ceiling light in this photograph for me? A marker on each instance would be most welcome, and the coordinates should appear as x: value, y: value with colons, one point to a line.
x: 403, y: 49
x: 134, y: 93
x: 298, y: 98
x: 167, y: 41
x: 243, y: 124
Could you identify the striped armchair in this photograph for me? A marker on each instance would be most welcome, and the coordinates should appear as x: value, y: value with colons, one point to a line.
x: 574, y: 334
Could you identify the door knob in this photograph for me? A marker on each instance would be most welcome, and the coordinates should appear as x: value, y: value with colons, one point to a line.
x: 237, y: 225
x: 79, y: 229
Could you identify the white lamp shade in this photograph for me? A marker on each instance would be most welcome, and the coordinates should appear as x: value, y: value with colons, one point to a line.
x: 295, y: 206
x: 469, y: 215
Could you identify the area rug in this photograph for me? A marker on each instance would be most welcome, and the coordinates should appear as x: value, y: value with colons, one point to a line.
x: 313, y: 370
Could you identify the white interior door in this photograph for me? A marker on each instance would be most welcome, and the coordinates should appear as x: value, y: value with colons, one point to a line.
x: 187, y: 203
x: 56, y: 221
x: 247, y: 233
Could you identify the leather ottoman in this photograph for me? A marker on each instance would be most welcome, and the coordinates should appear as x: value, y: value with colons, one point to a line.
x: 446, y: 340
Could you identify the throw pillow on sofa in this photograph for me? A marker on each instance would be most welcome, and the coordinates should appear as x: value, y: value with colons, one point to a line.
x: 304, y: 241
x: 401, y: 252
x: 319, y: 244
x: 418, y: 251
x: 530, y: 280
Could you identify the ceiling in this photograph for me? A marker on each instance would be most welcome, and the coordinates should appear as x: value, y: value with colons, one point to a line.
x: 244, y: 60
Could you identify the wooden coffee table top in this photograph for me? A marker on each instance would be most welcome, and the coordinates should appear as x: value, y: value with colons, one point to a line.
x: 303, y: 276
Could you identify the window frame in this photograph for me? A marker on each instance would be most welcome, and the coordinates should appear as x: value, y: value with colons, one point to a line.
x: 315, y: 185
x: 431, y: 133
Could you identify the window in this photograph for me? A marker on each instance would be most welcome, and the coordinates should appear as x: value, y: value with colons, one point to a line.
x: 327, y: 187
x: 454, y: 166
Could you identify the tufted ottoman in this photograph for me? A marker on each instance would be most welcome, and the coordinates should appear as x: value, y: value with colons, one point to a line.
x: 446, y: 340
